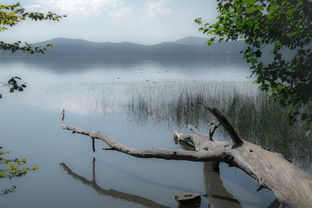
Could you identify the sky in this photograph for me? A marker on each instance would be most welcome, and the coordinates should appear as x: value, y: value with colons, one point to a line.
x: 138, y: 21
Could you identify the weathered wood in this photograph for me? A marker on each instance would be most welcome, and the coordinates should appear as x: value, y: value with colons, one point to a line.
x: 291, y: 185
x: 188, y: 200
x: 222, y: 119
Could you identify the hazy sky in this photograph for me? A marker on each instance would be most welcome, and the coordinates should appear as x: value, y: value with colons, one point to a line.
x: 140, y: 21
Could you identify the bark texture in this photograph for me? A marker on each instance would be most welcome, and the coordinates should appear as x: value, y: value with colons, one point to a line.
x: 291, y: 185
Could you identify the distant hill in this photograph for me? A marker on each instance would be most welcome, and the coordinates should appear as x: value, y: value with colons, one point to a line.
x: 192, y: 40
x: 189, y: 46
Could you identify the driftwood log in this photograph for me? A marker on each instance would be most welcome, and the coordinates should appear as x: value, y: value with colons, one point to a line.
x: 291, y: 185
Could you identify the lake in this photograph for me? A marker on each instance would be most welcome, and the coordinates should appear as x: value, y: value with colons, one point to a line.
x: 139, y: 103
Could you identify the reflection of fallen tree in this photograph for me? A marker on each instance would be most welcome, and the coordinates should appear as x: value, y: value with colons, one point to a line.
x: 111, y: 192
x: 290, y: 184
x: 217, y: 195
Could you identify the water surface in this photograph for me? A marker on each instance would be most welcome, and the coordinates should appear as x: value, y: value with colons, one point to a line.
x: 132, y: 101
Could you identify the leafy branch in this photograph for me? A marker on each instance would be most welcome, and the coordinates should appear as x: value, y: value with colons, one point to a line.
x: 286, y: 27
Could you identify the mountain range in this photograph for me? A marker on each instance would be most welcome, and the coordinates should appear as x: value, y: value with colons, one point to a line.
x: 189, y: 46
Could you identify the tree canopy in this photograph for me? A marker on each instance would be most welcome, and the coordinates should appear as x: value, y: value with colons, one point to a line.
x: 283, y: 26
x: 10, y: 16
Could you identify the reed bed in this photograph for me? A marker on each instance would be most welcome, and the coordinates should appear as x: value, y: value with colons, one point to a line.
x: 255, y: 116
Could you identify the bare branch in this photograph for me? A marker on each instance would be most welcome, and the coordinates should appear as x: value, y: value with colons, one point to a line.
x: 227, y: 126
x: 93, y: 144
x: 212, y: 130
x: 168, y: 154
x: 108, y: 148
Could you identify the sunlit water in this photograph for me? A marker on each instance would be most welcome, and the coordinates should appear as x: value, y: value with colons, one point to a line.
x: 96, y: 95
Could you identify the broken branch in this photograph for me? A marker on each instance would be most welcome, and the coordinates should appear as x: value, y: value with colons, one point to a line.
x: 227, y: 126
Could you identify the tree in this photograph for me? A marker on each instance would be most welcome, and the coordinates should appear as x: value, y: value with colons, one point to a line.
x: 291, y: 185
x: 11, y: 15
x: 283, y: 26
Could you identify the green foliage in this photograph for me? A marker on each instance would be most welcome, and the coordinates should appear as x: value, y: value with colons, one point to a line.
x: 284, y: 26
x: 13, y: 167
x: 14, y: 85
x: 11, y: 15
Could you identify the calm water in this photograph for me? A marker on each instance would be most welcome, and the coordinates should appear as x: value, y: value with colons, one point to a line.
x: 96, y: 95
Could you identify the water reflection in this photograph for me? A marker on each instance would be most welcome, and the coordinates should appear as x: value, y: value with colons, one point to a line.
x: 87, y: 85
x: 64, y: 65
x: 169, y: 98
x: 111, y: 192
x: 216, y: 195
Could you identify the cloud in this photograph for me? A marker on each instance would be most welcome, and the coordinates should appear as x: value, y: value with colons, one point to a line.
x: 140, y: 21
x: 109, y: 8
x: 157, y: 7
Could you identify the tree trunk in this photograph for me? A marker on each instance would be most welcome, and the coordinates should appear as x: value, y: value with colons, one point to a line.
x: 291, y: 185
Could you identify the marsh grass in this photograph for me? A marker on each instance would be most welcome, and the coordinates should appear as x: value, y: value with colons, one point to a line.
x: 255, y: 116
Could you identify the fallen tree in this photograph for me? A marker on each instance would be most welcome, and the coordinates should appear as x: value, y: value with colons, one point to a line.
x: 291, y: 185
